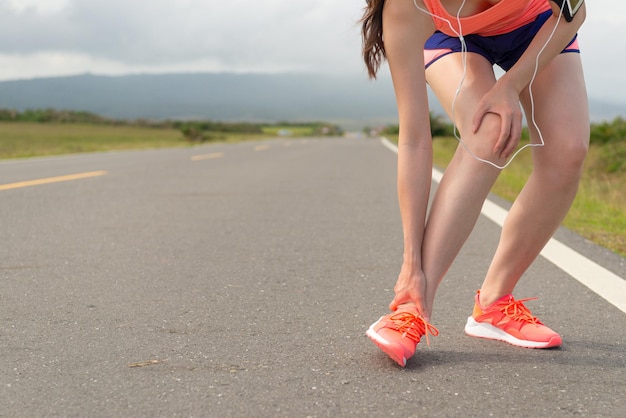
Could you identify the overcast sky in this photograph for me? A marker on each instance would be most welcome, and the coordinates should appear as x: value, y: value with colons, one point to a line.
x: 41, y: 38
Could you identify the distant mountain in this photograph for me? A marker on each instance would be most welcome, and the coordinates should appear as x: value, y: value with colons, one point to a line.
x: 350, y: 101
x: 224, y: 96
x: 603, y: 111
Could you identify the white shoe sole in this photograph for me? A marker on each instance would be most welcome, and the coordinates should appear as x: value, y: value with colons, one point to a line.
x: 483, y: 330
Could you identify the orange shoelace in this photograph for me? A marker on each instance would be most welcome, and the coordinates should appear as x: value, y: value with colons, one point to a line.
x: 515, y: 309
x: 413, y: 327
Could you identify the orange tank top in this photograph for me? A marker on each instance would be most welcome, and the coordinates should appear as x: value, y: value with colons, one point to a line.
x: 502, y: 17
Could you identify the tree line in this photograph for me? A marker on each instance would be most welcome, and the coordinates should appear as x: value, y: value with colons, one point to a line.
x: 192, y: 130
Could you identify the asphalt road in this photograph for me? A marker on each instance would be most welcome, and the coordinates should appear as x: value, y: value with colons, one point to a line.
x: 238, y: 281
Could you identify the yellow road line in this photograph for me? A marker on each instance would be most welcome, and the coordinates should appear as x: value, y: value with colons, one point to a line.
x: 261, y: 148
x: 207, y: 156
x: 49, y: 180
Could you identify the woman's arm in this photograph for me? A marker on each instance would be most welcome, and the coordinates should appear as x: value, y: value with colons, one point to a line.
x: 503, y: 99
x: 405, y: 30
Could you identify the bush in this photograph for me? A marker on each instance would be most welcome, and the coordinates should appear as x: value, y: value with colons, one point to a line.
x: 439, y: 126
x: 50, y: 116
x: 611, y: 137
x: 603, y: 133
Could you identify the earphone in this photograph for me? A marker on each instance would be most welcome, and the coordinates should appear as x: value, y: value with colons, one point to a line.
x: 464, y: 51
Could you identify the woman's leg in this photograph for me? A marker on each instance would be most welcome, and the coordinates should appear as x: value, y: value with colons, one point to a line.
x: 466, y: 182
x: 562, y: 115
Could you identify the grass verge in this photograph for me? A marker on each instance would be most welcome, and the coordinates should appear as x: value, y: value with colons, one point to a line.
x: 20, y: 140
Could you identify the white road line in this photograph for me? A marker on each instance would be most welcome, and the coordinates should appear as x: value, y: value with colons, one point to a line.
x: 603, y: 282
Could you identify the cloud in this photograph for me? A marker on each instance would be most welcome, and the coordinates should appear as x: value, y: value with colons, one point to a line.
x: 606, y: 12
x: 41, y: 6
x: 62, y: 37
x: 238, y: 34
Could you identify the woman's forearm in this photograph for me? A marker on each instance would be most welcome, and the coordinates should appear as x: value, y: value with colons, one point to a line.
x: 414, y: 181
x: 406, y: 30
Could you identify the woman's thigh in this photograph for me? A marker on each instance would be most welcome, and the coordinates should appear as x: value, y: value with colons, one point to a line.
x: 444, y: 77
x: 557, y: 112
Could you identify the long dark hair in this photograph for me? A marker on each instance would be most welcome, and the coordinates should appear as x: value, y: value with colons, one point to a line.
x: 372, y: 30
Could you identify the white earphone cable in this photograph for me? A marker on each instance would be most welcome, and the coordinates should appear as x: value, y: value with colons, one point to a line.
x: 464, y: 51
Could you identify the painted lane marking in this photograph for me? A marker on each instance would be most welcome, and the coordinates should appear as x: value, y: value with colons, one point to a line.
x: 49, y: 180
x: 603, y: 282
x: 261, y: 148
x: 211, y: 156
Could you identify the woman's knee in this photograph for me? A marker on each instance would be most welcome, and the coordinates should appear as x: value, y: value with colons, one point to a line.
x: 483, y: 142
x: 570, y: 152
x: 576, y: 152
x: 563, y: 163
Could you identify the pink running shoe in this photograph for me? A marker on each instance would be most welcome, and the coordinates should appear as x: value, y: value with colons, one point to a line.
x: 509, y: 320
x: 399, y: 332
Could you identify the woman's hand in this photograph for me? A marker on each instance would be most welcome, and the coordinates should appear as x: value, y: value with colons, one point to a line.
x: 503, y: 101
x: 411, y: 288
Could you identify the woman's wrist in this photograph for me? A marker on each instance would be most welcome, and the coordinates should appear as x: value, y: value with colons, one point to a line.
x: 412, y: 261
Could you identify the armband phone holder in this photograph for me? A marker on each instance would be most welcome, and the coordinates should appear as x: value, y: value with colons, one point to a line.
x: 569, y: 8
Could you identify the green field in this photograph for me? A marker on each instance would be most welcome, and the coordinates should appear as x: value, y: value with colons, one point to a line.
x: 51, y: 132
x: 19, y: 140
